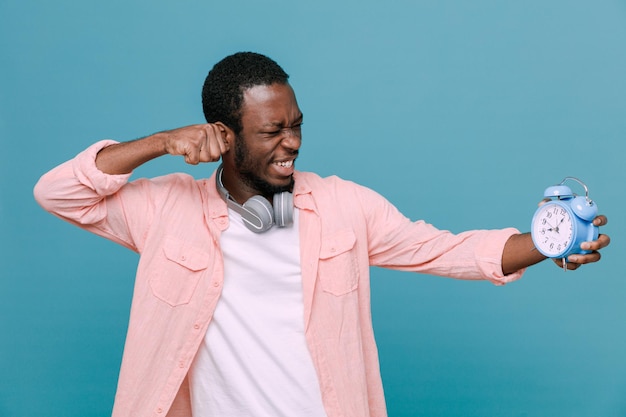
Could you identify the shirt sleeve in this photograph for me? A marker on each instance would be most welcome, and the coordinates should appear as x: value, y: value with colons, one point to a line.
x: 399, y: 243
x: 78, y: 192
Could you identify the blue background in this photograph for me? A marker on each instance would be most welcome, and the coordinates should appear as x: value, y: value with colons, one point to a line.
x: 460, y: 113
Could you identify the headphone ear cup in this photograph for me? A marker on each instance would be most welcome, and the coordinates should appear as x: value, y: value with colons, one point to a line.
x: 259, y: 216
x: 283, y: 209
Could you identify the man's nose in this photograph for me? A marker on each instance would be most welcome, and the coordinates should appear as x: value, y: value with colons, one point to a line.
x: 292, y: 138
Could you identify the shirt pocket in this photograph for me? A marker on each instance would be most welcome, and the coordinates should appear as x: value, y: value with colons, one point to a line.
x: 338, y: 267
x: 179, y: 271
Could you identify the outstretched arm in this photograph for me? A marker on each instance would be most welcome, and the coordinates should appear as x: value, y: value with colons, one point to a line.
x: 519, y: 251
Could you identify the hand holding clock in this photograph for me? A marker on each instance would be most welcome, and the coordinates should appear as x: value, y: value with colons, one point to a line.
x: 520, y: 251
x: 565, y: 228
x: 576, y: 260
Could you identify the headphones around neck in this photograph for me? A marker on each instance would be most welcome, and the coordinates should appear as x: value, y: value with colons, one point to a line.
x: 257, y: 213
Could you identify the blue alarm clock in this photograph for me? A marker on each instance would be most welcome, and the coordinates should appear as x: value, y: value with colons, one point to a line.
x: 561, y: 224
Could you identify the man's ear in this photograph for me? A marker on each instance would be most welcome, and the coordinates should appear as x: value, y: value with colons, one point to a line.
x: 228, y: 135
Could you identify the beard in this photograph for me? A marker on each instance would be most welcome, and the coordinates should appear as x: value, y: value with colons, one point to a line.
x: 248, y: 167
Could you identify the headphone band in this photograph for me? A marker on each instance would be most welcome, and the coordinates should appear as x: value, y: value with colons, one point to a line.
x: 257, y: 213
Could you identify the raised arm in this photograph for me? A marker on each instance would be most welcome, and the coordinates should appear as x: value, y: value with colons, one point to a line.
x: 197, y: 143
x: 519, y: 251
x: 89, y: 191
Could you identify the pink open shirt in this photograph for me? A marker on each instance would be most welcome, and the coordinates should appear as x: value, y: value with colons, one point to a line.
x: 174, y: 222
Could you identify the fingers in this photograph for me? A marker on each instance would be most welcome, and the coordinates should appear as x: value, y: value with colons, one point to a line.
x: 213, y: 146
x: 594, y: 246
x: 602, y: 242
x: 570, y: 266
x: 600, y: 220
x: 198, y: 143
x: 584, y: 259
x: 192, y: 153
x: 576, y: 260
x: 544, y: 201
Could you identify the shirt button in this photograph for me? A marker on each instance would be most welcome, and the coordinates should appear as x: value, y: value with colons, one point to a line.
x: 182, y: 258
x: 196, y: 326
x: 216, y: 284
x: 332, y: 250
x: 181, y: 364
x: 159, y: 410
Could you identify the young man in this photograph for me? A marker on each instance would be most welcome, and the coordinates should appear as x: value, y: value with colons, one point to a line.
x: 234, y: 317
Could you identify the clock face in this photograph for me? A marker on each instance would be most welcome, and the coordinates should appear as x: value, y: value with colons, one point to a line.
x: 552, y: 229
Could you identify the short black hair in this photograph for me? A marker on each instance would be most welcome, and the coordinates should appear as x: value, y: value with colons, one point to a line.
x: 224, y: 86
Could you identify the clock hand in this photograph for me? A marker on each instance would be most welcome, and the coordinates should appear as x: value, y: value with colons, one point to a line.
x: 557, y: 226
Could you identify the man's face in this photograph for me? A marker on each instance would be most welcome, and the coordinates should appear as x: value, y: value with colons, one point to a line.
x: 266, y: 149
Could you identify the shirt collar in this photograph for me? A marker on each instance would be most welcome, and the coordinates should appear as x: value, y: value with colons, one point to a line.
x: 215, y: 206
x: 302, y: 192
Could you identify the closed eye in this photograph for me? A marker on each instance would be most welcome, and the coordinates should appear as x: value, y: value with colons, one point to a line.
x: 296, y: 128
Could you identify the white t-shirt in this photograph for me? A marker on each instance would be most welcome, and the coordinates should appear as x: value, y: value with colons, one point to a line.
x: 254, y: 360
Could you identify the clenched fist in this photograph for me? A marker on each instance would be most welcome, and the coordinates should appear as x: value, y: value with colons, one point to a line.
x: 197, y: 143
